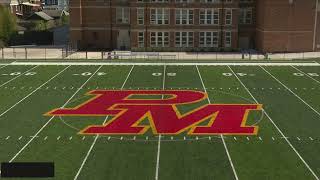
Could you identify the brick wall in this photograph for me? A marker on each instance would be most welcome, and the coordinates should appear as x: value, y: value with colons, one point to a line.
x: 285, y: 27
x: 277, y: 26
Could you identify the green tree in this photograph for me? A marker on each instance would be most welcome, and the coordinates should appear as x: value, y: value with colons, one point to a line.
x: 64, y: 19
x: 8, y: 24
x: 40, y: 25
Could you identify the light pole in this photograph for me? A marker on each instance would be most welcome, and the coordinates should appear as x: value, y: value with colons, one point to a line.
x: 111, y: 19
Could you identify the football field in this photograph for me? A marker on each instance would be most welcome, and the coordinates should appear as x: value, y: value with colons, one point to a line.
x: 286, y: 146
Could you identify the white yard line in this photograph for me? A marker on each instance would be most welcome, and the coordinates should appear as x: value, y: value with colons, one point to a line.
x: 97, y: 136
x: 159, y: 138
x: 306, y: 74
x: 290, y: 91
x: 33, y: 92
x: 18, y: 76
x: 40, y: 130
x: 127, y: 78
x: 222, y: 137
x: 4, y: 66
x: 274, y: 124
x: 88, y: 153
x: 209, y: 63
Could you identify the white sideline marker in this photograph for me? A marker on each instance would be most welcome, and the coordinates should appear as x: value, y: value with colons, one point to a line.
x: 33, y: 92
x: 223, y: 141
x: 4, y: 66
x: 52, y: 116
x: 291, y: 91
x: 18, y: 76
x: 159, y: 139
x: 289, y: 143
x: 97, y: 136
x: 306, y: 74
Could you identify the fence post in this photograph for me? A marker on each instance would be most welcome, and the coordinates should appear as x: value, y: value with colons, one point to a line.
x: 2, y: 53
x: 45, y: 53
x: 25, y: 54
x: 86, y: 54
x: 102, y: 55
x: 14, y: 52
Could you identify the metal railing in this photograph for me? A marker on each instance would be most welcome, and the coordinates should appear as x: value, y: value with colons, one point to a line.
x: 66, y: 53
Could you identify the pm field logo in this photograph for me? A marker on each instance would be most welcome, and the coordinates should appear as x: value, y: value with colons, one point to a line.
x: 130, y: 108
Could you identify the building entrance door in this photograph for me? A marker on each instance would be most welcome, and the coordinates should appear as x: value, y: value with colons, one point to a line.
x: 244, y: 42
x: 123, y: 40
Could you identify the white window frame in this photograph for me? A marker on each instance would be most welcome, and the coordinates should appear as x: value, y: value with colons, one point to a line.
x: 213, y: 14
x: 179, y: 39
x: 184, y: 15
x: 227, y: 39
x: 140, y: 17
x: 140, y: 39
x: 228, y: 17
x: 161, y: 15
x: 245, y: 16
x: 121, y: 15
x: 160, y: 40
x: 213, y: 37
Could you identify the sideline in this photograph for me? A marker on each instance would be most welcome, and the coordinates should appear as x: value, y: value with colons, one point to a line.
x: 170, y: 63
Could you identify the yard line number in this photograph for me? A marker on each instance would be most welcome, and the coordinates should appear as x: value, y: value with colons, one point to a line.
x: 298, y: 74
x: 90, y: 73
x: 310, y: 74
x: 239, y: 74
x: 160, y: 74
x: 19, y: 73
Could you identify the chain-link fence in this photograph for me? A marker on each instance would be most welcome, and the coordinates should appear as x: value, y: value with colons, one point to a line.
x: 65, y: 52
x: 25, y: 53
